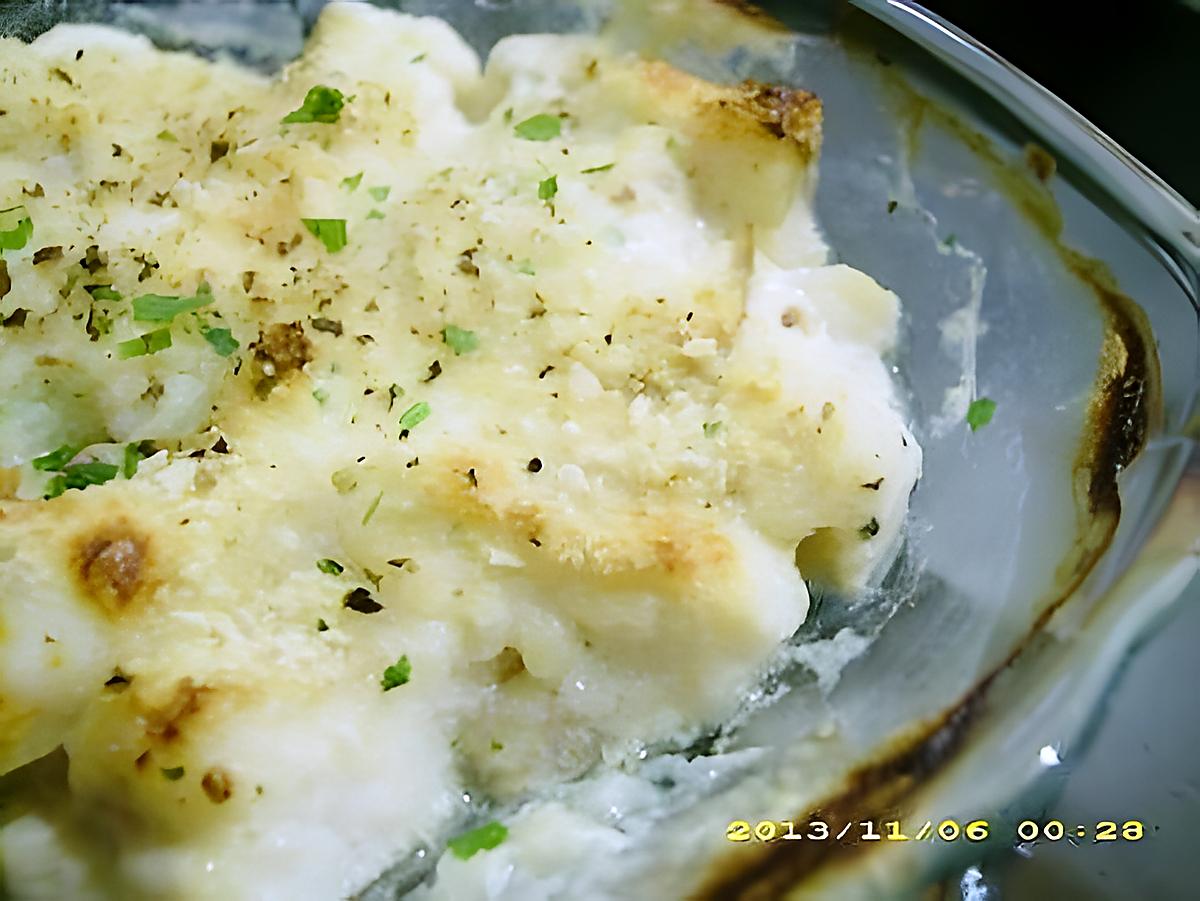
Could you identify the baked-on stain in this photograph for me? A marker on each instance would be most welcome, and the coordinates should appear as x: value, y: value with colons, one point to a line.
x: 1125, y: 407
x: 111, y: 564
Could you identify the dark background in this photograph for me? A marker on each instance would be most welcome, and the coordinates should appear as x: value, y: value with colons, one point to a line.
x: 1133, y: 68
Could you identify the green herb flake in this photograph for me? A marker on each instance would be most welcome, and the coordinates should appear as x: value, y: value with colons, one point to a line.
x: 417, y: 58
x: 331, y: 567
x: 221, y: 339
x: 56, y: 459
x: 497, y: 746
x: 81, y: 475
x: 55, y: 487
x: 320, y: 395
x: 592, y: 169
x: 951, y: 240
x: 486, y: 837
x: 380, y: 192
x: 149, y: 343
x: 129, y: 462
x: 525, y: 267
x: 322, y: 626
x: 330, y: 232
x: 397, y: 674
x: 413, y: 416
x: 165, y: 135
x: 870, y: 530
x: 102, y: 292
x: 711, y: 429
x: 16, y: 228
x: 172, y: 773
x: 375, y: 214
x: 459, y: 340
x: 321, y: 104
x: 541, y: 127
x: 547, y: 188
x: 371, y: 509
x: 163, y: 308
x: 980, y: 412
x: 350, y: 182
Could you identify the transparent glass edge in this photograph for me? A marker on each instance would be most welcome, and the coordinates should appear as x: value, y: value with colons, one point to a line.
x: 1159, y: 208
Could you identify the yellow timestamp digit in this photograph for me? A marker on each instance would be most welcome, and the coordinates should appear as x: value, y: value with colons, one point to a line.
x: 893, y: 832
x: 948, y: 830
x: 977, y: 830
x: 1133, y: 830
x: 738, y: 831
x: 766, y: 830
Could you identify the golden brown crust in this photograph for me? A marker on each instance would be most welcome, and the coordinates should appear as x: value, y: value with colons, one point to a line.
x: 784, y: 112
x: 165, y: 717
x: 217, y: 785
x: 282, y: 348
x: 111, y: 564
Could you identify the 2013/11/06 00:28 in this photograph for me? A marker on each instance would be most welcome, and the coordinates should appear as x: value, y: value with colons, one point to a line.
x: 947, y: 830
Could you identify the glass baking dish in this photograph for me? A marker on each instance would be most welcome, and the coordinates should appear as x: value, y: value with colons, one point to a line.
x: 1039, y: 265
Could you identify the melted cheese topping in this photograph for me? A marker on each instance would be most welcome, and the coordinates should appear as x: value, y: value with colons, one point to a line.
x: 589, y: 545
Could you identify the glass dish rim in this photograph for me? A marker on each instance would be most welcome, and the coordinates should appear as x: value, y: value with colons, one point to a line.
x: 1167, y: 222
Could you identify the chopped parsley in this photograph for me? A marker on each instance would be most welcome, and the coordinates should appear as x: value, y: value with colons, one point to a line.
x: 459, y: 340
x: 350, y: 182
x: 711, y: 428
x: 375, y: 214
x: 163, y: 308
x: 414, y: 415
x: 525, y: 267
x: 172, y: 773
x: 397, y: 674
x: 322, y: 626
x: 56, y: 459
x: 80, y: 476
x: 320, y: 395
x: 330, y: 232
x: 870, y: 530
x: 547, y: 188
x: 321, y: 104
x: 129, y: 462
x: 165, y: 135
x: 980, y: 412
x: 332, y: 567
x: 541, y: 127
x: 380, y: 193
x: 591, y: 169
x: 16, y: 228
x: 149, y: 343
x: 221, y: 339
x: 371, y: 509
x: 417, y: 58
x: 484, y: 838
x: 102, y: 292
